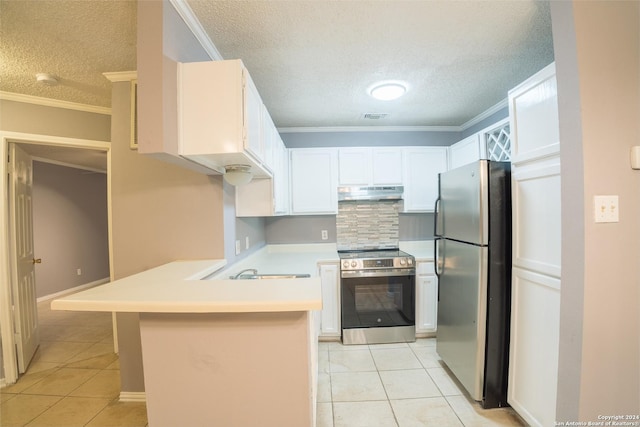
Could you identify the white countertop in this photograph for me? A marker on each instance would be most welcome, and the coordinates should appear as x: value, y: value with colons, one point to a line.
x: 178, y: 287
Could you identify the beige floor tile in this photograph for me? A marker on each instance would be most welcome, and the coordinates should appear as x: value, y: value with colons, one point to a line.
x: 423, y: 342
x: 338, y: 346
x: 21, y: 409
x: 6, y: 396
x: 102, y: 361
x: 363, y: 414
x: 95, y: 349
x: 114, y: 365
x: 395, y: 358
x: 70, y: 412
x: 62, y: 382
x: 121, y: 414
x: 58, y: 351
x: 447, y: 385
x: 388, y: 346
x: 324, y: 387
x: 104, y: 384
x: 472, y: 415
x: 408, y: 384
x: 427, y: 357
x: 356, y: 387
x: 323, y: 361
x: 28, y: 380
x: 324, y: 415
x: 428, y: 412
x: 351, y: 361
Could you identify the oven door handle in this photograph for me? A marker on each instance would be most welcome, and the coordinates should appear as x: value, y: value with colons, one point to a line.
x: 395, y: 273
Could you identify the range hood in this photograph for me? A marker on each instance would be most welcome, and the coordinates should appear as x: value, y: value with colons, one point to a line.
x: 393, y: 192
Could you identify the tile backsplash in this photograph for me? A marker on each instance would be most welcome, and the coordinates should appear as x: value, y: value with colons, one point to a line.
x: 367, y: 225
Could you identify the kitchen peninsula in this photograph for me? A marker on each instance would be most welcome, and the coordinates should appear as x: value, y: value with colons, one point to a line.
x: 219, y: 351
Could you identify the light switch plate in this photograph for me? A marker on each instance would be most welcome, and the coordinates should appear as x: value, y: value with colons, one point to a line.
x: 606, y: 209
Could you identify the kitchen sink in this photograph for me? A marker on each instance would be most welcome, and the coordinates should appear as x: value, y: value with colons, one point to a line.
x: 269, y: 276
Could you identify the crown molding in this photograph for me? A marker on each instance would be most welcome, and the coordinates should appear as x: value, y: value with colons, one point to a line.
x: 190, y: 19
x: 121, y: 76
x: 370, y: 129
x: 56, y: 103
x: 480, y: 117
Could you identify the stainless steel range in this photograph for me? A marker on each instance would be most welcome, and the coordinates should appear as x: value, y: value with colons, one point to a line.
x: 378, y: 296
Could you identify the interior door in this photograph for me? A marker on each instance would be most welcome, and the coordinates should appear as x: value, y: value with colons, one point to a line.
x: 23, y: 283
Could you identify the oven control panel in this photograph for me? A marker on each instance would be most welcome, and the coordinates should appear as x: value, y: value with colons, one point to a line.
x: 366, y: 264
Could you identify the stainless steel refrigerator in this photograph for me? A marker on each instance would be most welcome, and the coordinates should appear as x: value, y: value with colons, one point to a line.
x: 473, y: 264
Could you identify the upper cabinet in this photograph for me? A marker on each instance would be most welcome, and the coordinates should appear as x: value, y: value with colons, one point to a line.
x: 370, y: 166
x: 492, y: 143
x: 421, y: 168
x: 220, y: 116
x: 314, y: 181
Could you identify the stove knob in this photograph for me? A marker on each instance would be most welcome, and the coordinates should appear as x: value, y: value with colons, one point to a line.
x: 409, y: 261
x: 403, y: 261
x: 345, y: 264
x: 354, y: 264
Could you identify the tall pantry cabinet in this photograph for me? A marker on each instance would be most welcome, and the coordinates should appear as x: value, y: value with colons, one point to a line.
x: 535, y: 318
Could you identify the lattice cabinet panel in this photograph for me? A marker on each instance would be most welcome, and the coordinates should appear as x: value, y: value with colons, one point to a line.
x: 498, y: 143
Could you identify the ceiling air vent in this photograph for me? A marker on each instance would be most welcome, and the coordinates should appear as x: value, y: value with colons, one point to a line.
x: 374, y: 116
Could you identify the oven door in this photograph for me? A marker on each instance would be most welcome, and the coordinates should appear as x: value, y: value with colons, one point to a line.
x: 378, y: 300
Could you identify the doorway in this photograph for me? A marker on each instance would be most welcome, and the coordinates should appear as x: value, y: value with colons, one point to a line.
x: 63, y: 150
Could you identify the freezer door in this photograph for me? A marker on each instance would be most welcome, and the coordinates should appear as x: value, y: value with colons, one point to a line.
x: 460, y: 340
x: 463, y: 203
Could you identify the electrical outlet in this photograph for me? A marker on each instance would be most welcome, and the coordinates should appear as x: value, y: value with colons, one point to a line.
x: 79, y: 272
x: 606, y: 209
x: 246, y: 242
x: 325, y: 235
x: 238, y: 247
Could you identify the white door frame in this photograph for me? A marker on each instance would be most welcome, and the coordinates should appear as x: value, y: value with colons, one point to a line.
x: 10, y: 362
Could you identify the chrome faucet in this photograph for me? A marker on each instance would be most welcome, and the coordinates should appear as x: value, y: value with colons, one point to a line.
x: 252, y: 270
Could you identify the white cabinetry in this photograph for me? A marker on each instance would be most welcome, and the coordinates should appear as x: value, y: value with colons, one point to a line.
x: 535, y: 316
x: 370, y: 166
x: 426, y: 298
x: 421, y: 168
x: 314, y: 181
x: 267, y: 196
x: 492, y: 142
x: 220, y: 116
x: 330, y: 316
x: 466, y: 151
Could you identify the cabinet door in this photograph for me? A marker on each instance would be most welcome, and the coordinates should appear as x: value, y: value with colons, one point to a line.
x: 465, y: 151
x: 354, y: 166
x: 421, y: 168
x: 330, y: 282
x: 281, y: 177
x: 426, y: 301
x: 387, y: 166
x: 253, y: 111
x: 314, y: 181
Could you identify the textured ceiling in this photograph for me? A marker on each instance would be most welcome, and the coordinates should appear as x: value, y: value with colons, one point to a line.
x: 313, y: 61
x: 76, y: 41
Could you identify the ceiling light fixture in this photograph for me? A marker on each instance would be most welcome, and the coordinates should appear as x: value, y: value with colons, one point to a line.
x: 47, y: 79
x: 237, y: 174
x: 387, y: 91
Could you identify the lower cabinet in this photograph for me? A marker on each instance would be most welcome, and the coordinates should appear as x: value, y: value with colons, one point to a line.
x: 330, y: 316
x: 426, y: 298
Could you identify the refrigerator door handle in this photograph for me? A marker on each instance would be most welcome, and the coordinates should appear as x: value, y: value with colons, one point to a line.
x: 437, y: 265
x: 436, y: 209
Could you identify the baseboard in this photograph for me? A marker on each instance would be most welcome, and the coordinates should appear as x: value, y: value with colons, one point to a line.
x: 74, y: 289
x: 133, y: 396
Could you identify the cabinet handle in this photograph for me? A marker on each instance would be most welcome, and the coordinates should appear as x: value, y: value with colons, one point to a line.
x: 37, y: 261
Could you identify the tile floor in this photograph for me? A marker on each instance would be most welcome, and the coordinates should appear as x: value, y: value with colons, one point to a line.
x: 74, y: 378
x: 402, y: 385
